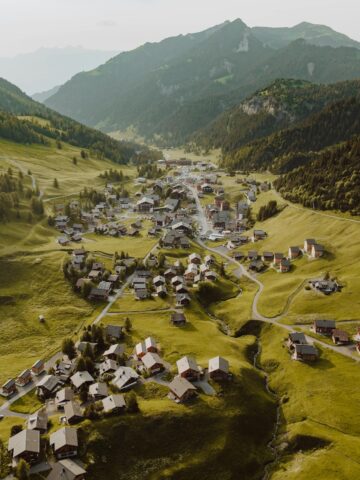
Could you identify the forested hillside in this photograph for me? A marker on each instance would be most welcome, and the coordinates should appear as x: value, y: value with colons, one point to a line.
x: 25, y: 121
x: 167, y: 90
x: 331, y: 181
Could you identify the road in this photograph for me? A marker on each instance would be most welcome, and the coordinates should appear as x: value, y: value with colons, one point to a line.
x: 347, y: 351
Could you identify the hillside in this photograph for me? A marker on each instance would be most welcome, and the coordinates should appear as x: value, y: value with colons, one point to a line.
x: 50, y: 124
x: 168, y: 90
x: 277, y: 106
x: 289, y: 148
x: 319, y: 35
x: 330, y: 181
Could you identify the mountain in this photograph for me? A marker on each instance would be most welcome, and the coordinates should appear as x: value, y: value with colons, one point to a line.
x: 275, y: 107
x: 319, y: 35
x: 25, y: 121
x: 330, y: 181
x: 42, y: 96
x: 41, y: 70
x: 168, y: 90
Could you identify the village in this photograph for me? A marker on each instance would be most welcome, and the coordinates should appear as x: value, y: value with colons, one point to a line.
x: 198, y: 234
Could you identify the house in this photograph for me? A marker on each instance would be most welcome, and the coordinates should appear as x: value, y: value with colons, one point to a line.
x: 308, y: 243
x: 108, y: 366
x: 82, y: 346
x: 140, y: 350
x: 256, y: 266
x: 25, y: 445
x: 209, y: 260
x: 98, y: 294
x: 94, y: 275
x: 113, y: 333
x: 340, y: 337
x: 324, y: 327
x: 24, y: 378
x: 81, y: 378
x: 9, y: 388
x: 294, y: 252
x: 268, y: 257
x: 175, y: 281
x: 38, y: 421
x: 170, y: 273
x: 62, y: 397
x: 182, y: 227
x: 125, y: 378
x: 253, y: 255
x: 238, y: 256
x: 188, y: 368
x: 304, y: 352
x: 145, y: 205
x: 210, y: 275
x: 48, y: 386
x: 178, y: 319
x: 64, y: 442
x: 159, y: 281
x: 142, y: 294
x: 66, y: 469
x: 181, y: 390
x: 277, y: 258
x: 189, y: 276
x: 285, y: 265
x: 325, y: 286
x: 181, y: 289
x: 150, y: 345
x: 194, y: 258
x: 38, y: 368
x: 153, y: 363
x: 114, y: 404
x: 98, y: 390
x: 296, y: 338
x: 259, y: 235
x: 317, y: 250
x: 73, y: 412
x: 183, y: 300
x: 218, y: 369
x: 114, y: 351
x: 98, y: 266
x: 161, y: 291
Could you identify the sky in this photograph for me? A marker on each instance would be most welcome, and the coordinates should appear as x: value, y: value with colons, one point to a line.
x: 26, y: 25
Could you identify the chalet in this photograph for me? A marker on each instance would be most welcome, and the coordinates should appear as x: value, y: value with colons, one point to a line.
x: 113, y: 333
x: 317, y: 250
x: 306, y: 353
x: 184, y: 243
x: 268, y: 257
x: 278, y: 257
x: 211, y: 276
x: 81, y: 378
x: 125, y: 378
x: 98, y: 266
x: 238, y: 256
x: 63, y: 241
x: 66, y: 469
x: 181, y: 390
x: 175, y: 281
x: 340, y: 337
x: 48, y: 386
x: 65, y: 442
x: 252, y: 255
x: 259, y: 235
x: 220, y: 220
x: 133, y: 232
x: 294, y: 252
x: 108, y: 366
x: 182, y: 227
x: 114, y: 404
x: 145, y: 274
x: 195, y: 258
x: 64, y: 369
x: 94, y: 275
x: 73, y: 412
x: 181, y: 289
x: 145, y: 205
x: 24, y: 378
x: 82, y: 346
x: 114, y: 351
x: 178, y: 319
x: 170, y: 273
x: 218, y: 369
x: 161, y: 291
x: 183, y: 300
x: 153, y: 363
x: 62, y: 397
x: 256, y: 266
x: 98, y: 390
x: 325, y: 286
x: 188, y: 368
x: 308, y: 243
x: 251, y: 196
x: 324, y: 327
x: 98, y: 294
x: 209, y: 260
x: 25, y: 445
x: 285, y: 265
x: 296, y: 338
x: 159, y: 280
x: 142, y: 294
x: 140, y: 350
x: 150, y: 345
x: 9, y: 388
x: 38, y: 421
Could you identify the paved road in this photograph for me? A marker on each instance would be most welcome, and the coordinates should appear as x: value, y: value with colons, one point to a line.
x: 347, y: 351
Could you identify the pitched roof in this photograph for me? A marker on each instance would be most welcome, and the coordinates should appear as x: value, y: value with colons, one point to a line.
x: 38, y: 421
x: 187, y: 363
x: 179, y: 386
x: 66, y: 436
x: 150, y: 342
x: 49, y: 382
x: 218, y: 363
x: 25, y: 441
x: 305, y: 349
x: 113, y: 401
x: 66, y: 469
x: 79, y: 378
x: 72, y: 409
x: 116, y: 349
x: 64, y: 395
x: 151, y: 359
x: 123, y: 375
x: 99, y: 388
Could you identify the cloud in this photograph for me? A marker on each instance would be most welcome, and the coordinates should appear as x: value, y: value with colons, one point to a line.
x: 107, y: 23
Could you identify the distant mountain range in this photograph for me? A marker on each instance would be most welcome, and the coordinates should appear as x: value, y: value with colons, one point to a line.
x: 43, y: 69
x: 168, y: 90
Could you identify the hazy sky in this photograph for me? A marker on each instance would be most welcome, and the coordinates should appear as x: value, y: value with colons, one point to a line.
x: 26, y: 25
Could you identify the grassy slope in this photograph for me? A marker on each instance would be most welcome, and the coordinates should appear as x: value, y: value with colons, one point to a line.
x: 316, y: 403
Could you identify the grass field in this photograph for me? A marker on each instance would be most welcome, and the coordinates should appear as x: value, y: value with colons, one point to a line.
x: 29, y: 403
x: 320, y: 435
x: 5, y: 426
